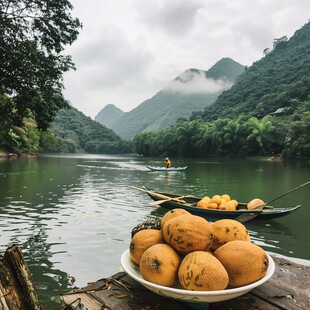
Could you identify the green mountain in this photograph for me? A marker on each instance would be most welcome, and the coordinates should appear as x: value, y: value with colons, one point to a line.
x: 266, y: 111
x: 280, y: 80
x: 75, y: 132
x: 108, y: 115
x: 191, y: 91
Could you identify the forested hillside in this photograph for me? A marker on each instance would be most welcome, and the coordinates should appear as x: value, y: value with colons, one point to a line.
x: 245, y: 120
x: 75, y: 132
x: 191, y: 91
x: 281, y: 79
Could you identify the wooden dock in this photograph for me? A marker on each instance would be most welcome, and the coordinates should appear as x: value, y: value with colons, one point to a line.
x: 289, y: 289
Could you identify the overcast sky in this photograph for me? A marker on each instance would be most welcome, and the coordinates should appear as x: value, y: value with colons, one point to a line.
x: 129, y: 50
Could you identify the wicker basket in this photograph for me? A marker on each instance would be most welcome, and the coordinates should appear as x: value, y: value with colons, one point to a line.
x: 151, y: 223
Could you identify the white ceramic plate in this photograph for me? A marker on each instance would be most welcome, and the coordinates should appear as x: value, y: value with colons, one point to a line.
x: 192, y: 296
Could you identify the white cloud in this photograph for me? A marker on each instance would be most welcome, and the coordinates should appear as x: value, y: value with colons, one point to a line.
x: 129, y: 50
x: 190, y: 82
x: 171, y: 17
x: 110, y: 59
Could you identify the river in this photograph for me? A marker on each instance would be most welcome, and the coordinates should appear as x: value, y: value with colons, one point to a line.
x: 72, y: 215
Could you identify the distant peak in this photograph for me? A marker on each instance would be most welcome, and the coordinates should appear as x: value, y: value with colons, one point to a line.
x: 109, y: 114
x: 111, y: 106
x: 227, y: 60
x: 225, y: 68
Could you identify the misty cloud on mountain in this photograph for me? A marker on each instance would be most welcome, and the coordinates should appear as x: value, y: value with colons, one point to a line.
x: 195, y: 82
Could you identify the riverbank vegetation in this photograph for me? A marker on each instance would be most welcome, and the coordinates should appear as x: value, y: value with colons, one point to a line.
x: 24, y: 139
x: 33, y: 35
x: 76, y: 133
x: 243, y: 136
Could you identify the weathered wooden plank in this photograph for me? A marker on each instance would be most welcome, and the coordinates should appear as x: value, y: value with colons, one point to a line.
x: 121, y: 292
x: 3, y: 303
x: 289, y: 287
x: 78, y: 301
x: 21, y: 273
x: 145, y: 299
x: 245, y: 302
x: 9, y: 291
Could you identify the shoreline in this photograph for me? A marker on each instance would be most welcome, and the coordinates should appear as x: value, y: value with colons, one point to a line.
x: 6, y: 155
x: 11, y: 155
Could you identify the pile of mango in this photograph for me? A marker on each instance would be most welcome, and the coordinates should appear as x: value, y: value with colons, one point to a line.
x: 221, y: 202
x: 224, y: 202
x: 197, y: 254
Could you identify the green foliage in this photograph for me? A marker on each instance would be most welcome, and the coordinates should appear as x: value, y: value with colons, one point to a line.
x: 234, y: 137
x: 75, y: 132
x: 6, y: 116
x: 260, y: 130
x: 297, y: 142
x: 33, y: 33
x: 25, y: 139
x: 186, y: 136
x: 238, y: 137
x: 47, y: 141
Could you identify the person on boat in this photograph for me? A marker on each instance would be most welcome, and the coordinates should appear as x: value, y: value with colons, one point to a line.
x: 167, y: 163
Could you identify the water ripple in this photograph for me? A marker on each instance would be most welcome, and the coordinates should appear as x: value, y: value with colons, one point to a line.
x: 73, y: 215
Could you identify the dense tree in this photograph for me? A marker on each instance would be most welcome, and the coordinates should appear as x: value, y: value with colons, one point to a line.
x: 297, y: 142
x: 234, y: 136
x: 186, y: 133
x: 237, y: 137
x: 201, y: 141
x: 33, y: 34
x: 279, y: 40
x: 259, y: 131
x: 74, y: 132
x: 169, y: 142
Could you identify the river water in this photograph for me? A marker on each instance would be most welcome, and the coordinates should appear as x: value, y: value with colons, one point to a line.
x: 72, y: 215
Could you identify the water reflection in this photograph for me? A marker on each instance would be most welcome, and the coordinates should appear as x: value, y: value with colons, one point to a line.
x: 274, y: 237
x: 50, y: 281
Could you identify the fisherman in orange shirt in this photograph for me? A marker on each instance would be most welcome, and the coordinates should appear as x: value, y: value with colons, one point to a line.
x: 167, y: 163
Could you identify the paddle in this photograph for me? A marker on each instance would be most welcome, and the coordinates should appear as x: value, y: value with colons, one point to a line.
x: 164, y: 197
x: 152, y: 193
x: 158, y: 202
x: 246, y: 217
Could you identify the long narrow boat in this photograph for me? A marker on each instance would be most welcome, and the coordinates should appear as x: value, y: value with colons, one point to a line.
x: 166, y: 169
x: 189, y: 203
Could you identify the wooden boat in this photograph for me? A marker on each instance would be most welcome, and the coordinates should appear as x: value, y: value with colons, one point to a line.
x: 166, y: 169
x: 189, y: 204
